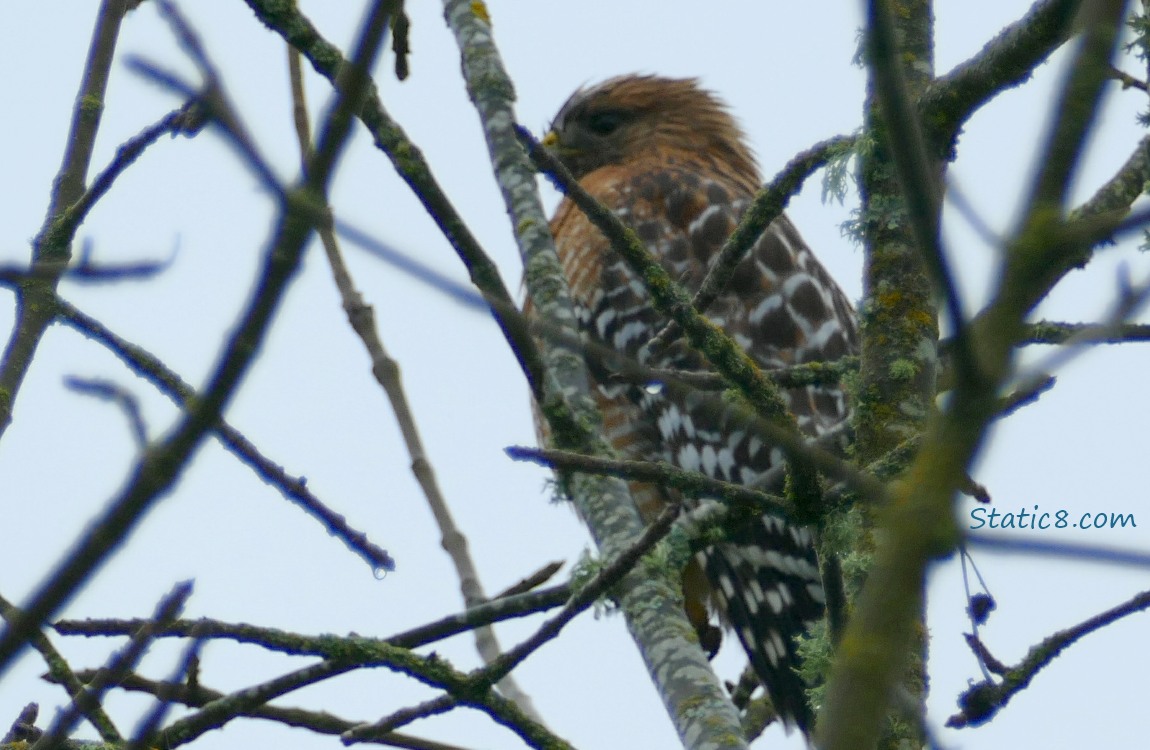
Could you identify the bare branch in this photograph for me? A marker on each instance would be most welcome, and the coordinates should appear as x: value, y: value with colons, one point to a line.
x: 110, y: 391
x: 188, y: 119
x: 49, y: 246
x: 1056, y: 332
x: 315, y: 721
x: 143, y: 736
x: 1006, y: 61
x: 60, y: 671
x: 387, y: 374
x: 174, y: 387
x: 160, y: 465
x: 693, y: 483
x: 533, y: 581
x: 118, y: 666
x: 981, y: 702
x: 405, y: 156
x: 331, y: 646
x: 214, y: 714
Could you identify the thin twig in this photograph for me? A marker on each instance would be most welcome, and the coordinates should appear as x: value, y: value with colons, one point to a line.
x: 214, y: 714
x: 438, y: 705
x: 295, y: 489
x: 1128, y: 81
x: 14, y: 276
x: 693, y: 483
x: 1080, y: 334
x: 51, y: 246
x: 117, y: 667
x: 112, y: 392
x: 533, y: 581
x: 331, y: 646
x: 361, y: 316
x: 1130, y: 301
x: 320, y: 722
x: 60, y: 671
x: 981, y: 702
x: 188, y: 119
x: 185, y: 670
x: 1025, y: 394
x: 159, y: 466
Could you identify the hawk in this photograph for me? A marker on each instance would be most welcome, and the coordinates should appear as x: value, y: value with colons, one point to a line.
x: 670, y: 161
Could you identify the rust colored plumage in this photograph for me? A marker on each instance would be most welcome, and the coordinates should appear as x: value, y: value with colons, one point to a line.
x: 668, y: 159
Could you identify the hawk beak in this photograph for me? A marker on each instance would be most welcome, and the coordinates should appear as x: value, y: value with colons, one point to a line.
x: 551, y: 140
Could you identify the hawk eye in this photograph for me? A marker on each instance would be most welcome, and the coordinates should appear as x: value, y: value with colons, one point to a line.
x: 605, y: 122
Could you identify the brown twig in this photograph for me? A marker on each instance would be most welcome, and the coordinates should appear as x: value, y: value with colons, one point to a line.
x: 533, y: 581
x: 50, y: 245
x: 386, y: 370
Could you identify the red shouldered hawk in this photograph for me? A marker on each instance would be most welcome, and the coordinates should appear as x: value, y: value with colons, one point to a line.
x: 668, y: 159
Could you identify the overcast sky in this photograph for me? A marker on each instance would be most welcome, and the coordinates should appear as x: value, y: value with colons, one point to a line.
x: 311, y: 405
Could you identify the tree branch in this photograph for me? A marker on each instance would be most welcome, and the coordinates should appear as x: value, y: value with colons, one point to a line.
x: 286, y: 20
x: 981, y: 702
x: 918, y: 523
x: 295, y: 489
x: 386, y: 371
x: 320, y: 722
x: 650, y: 603
x: 1006, y: 61
x: 161, y: 464
x: 693, y: 483
x: 51, y: 246
x: 1057, y: 332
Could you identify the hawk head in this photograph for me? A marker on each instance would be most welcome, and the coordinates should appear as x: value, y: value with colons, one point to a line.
x: 633, y: 117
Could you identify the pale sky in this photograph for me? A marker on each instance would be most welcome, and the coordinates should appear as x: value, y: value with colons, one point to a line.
x: 311, y: 405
